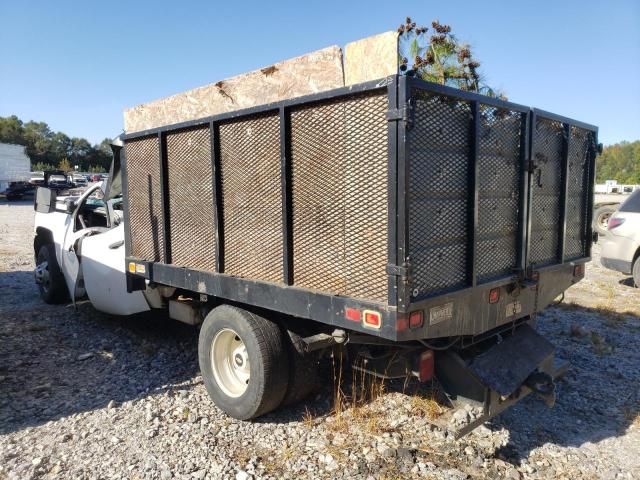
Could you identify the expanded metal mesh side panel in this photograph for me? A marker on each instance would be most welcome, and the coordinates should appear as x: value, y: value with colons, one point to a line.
x: 339, y: 196
x: 251, y: 197
x: 438, y: 149
x: 191, y: 223
x: 546, y: 192
x: 144, y: 197
x: 500, y: 171
x: 576, y: 241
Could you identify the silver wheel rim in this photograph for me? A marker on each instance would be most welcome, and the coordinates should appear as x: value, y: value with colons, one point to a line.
x: 604, y: 220
x: 42, y: 275
x: 230, y: 363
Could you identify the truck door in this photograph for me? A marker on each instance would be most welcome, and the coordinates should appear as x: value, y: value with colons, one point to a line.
x: 103, y: 269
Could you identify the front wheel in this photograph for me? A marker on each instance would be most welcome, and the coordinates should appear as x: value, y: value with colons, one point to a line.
x: 243, y: 361
x: 636, y: 272
x: 48, y: 276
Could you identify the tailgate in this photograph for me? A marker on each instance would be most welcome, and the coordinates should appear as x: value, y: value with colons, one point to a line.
x: 494, y: 190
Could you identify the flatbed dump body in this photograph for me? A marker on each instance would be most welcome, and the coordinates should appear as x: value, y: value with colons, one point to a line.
x: 393, y: 196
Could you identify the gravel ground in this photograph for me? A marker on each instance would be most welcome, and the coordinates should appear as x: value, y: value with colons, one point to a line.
x: 87, y: 395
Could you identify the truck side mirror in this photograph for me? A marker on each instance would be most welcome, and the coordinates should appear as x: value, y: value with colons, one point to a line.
x: 44, y: 200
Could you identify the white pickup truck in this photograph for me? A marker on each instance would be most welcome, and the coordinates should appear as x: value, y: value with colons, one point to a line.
x: 79, y: 248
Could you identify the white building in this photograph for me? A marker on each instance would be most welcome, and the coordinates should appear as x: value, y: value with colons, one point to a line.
x: 14, y: 164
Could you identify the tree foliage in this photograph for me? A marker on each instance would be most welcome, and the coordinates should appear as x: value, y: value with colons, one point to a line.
x: 64, y: 165
x: 440, y: 58
x: 621, y: 162
x: 46, y: 147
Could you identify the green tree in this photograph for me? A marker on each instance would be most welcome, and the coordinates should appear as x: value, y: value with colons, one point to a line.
x: 621, y: 162
x: 45, y: 146
x: 11, y: 130
x: 41, y: 167
x: 64, y: 165
x: 440, y: 58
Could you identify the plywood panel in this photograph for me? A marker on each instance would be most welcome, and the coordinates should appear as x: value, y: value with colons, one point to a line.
x: 371, y: 58
x: 315, y: 72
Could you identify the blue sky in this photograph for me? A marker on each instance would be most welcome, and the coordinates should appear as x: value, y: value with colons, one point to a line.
x: 77, y: 65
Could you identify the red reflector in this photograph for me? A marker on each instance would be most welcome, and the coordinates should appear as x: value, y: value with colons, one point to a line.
x: 352, y: 314
x: 578, y: 270
x: 425, y: 368
x: 402, y: 323
x: 494, y: 295
x: 371, y: 319
x: 416, y: 319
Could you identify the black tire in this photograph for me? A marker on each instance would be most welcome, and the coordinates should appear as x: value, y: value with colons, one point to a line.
x: 601, y: 218
x: 52, y: 286
x: 267, y: 355
x: 636, y: 272
x: 304, y: 376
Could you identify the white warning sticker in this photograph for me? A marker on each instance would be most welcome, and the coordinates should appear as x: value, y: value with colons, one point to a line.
x: 440, y: 313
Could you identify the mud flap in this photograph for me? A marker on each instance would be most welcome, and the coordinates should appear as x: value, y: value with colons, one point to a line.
x: 489, y: 381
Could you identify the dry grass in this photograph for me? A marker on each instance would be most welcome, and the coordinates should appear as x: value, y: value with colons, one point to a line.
x: 428, y: 407
x: 352, y: 404
x: 308, y: 418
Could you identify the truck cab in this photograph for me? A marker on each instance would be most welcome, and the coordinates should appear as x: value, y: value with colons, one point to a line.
x: 79, y: 249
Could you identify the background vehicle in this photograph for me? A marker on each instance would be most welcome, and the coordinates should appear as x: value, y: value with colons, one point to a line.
x: 57, y: 181
x: 608, y: 197
x: 77, y: 180
x: 621, y: 247
x: 18, y: 190
x: 417, y: 227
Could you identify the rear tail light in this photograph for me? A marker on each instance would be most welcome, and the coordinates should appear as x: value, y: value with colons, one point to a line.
x: 352, y: 314
x: 425, y: 366
x: 416, y: 319
x: 402, y: 322
x: 578, y: 270
x: 615, y: 222
x: 494, y: 295
x: 371, y: 319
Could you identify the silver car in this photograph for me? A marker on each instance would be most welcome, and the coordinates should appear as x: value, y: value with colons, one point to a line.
x: 621, y: 245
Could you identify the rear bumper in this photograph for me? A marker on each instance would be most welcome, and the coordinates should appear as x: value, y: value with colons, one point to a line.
x: 616, y: 264
x: 617, y: 253
x: 470, y: 312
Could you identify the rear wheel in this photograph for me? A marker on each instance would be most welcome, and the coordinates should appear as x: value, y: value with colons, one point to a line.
x: 244, y: 362
x: 636, y: 272
x: 48, y: 276
x: 303, y: 370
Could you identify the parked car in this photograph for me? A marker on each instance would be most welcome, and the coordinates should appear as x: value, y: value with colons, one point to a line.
x: 621, y: 246
x: 18, y: 190
x: 58, y: 183
x: 77, y: 180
